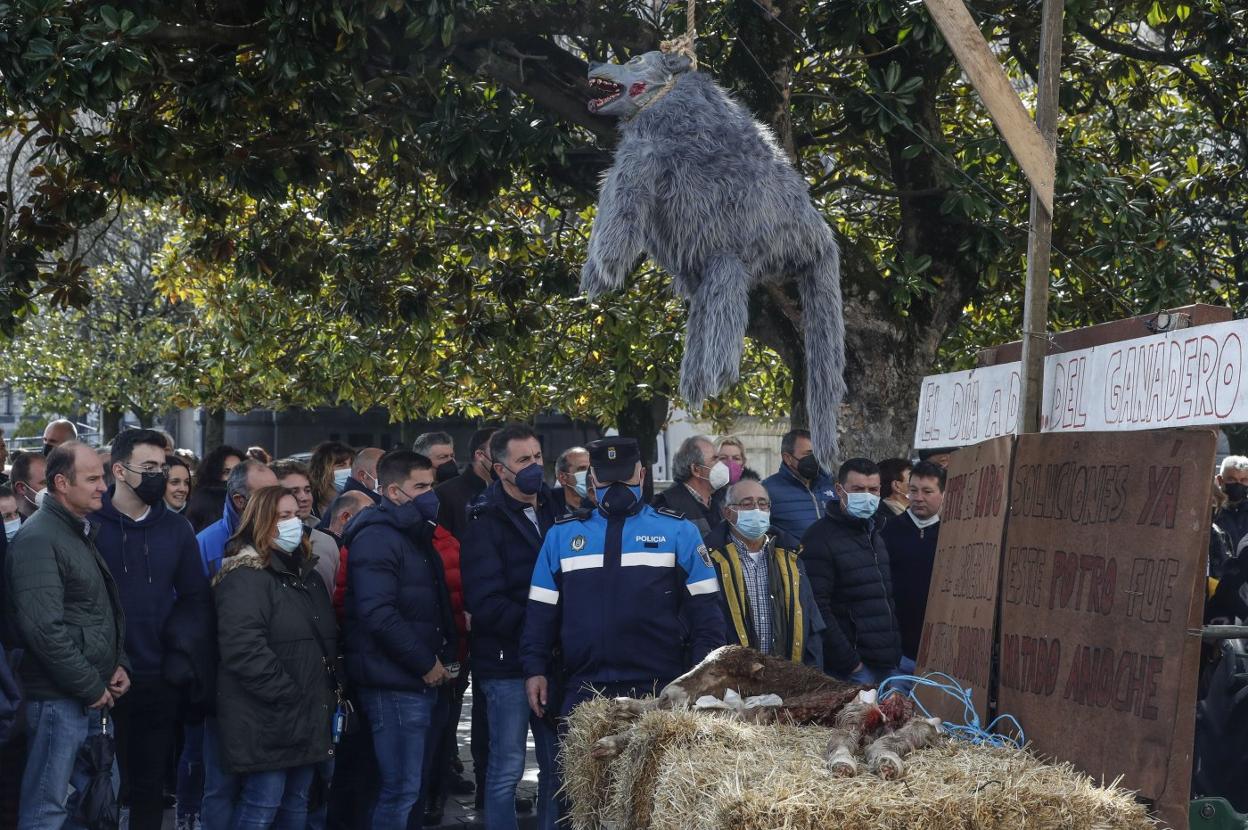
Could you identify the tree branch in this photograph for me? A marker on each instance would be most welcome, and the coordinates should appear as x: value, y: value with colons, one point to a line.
x: 1130, y: 50
x: 206, y: 34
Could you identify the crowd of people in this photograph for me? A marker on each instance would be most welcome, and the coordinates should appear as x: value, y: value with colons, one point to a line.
x: 281, y: 644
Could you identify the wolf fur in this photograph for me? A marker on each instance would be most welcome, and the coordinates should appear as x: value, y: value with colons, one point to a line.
x: 703, y: 188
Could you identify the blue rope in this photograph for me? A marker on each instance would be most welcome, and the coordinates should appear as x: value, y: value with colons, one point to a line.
x: 970, y: 729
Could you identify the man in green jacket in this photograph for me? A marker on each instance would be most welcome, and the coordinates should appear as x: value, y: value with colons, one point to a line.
x: 64, y: 609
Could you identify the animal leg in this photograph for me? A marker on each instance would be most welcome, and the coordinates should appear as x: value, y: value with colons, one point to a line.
x: 840, y: 752
x: 884, y: 754
x: 718, y: 314
x: 618, y: 238
x: 633, y: 706
x: 611, y: 745
x: 823, y: 320
x: 853, y: 722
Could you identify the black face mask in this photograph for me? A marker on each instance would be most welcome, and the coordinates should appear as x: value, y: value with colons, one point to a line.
x: 447, y: 471
x: 1235, y: 491
x: 47, y: 449
x: 151, y: 486
x: 808, y: 468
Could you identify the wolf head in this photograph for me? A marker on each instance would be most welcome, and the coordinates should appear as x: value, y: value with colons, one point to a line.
x: 624, y: 89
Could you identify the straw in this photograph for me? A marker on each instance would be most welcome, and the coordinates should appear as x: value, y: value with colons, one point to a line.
x: 688, y: 771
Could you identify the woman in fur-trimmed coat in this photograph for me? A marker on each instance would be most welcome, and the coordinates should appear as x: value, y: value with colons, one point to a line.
x: 275, y: 697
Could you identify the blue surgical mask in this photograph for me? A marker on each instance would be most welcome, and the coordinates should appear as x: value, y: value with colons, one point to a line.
x: 861, y: 505
x: 10, y: 529
x: 582, y: 483
x: 753, y: 524
x: 340, y: 478
x: 289, y: 534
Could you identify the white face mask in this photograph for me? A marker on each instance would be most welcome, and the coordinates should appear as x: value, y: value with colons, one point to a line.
x: 289, y: 534
x: 582, y: 483
x: 39, y: 496
x: 10, y: 529
x: 340, y: 478
x: 720, y: 475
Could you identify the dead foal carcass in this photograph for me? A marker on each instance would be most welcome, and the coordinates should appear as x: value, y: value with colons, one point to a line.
x: 807, y: 697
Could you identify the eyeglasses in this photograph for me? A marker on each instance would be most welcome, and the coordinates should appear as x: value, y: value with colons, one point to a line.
x: 752, y: 504
x: 148, y: 470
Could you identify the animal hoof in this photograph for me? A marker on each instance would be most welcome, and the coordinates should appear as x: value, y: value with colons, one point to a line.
x: 609, y: 747
x: 887, y: 766
x: 843, y: 769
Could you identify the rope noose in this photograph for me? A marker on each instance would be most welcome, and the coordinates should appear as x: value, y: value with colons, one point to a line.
x: 686, y: 44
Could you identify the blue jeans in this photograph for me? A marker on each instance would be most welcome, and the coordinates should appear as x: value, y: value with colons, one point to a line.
x: 220, y: 785
x: 400, y: 722
x: 507, y: 707
x: 276, y: 798
x: 318, y: 818
x: 56, y: 730
x: 191, y: 772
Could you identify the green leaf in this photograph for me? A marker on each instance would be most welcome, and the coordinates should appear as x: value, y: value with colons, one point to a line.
x: 448, y: 29
x: 110, y: 17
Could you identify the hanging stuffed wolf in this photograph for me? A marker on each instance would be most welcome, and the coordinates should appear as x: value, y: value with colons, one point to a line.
x: 703, y: 188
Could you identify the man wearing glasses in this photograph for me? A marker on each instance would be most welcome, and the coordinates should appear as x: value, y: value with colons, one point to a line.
x: 765, y: 596
x: 154, y: 559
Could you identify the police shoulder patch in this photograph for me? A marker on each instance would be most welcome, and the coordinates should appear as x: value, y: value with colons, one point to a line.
x: 578, y: 542
x: 705, y: 556
x: 667, y: 511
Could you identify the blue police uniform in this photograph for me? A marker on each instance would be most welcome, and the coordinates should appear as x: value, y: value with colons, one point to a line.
x: 631, y: 599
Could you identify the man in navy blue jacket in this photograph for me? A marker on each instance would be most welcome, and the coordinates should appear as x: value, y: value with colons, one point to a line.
x: 500, y: 547
x: 400, y: 634
x: 799, y: 491
x: 153, y: 557
x: 628, y: 591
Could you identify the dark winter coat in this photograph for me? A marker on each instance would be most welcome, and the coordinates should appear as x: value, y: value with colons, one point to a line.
x: 454, y: 499
x: 911, y: 558
x: 155, y: 563
x: 63, y: 607
x: 1233, y: 518
x: 275, y: 700
x: 849, y: 572
x: 498, y: 553
x: 680, y: 499
x: 205, y: 505
x: 398, y: 608
x: 796, y: 506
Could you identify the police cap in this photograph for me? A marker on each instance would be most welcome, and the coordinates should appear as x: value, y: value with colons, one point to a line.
x: 614, y: 459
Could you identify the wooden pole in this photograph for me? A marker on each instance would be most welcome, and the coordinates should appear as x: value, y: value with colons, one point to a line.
x: 1040, y: 232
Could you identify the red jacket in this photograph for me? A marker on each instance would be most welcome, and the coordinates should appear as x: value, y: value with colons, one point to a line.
x: 447, y: 547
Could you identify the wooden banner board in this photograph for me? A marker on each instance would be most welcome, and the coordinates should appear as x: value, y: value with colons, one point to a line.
x: 1103, y: 574
x: 958, y: 628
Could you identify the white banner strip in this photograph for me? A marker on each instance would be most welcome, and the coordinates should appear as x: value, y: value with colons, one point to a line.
x: 1188, y: 377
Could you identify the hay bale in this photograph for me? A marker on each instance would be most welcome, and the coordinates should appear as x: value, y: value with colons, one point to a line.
x: 687, y: 771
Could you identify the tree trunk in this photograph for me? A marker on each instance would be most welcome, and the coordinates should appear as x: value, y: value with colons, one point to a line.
x: 110, y: 424
x: 214, y: 429
x: 643, y: 419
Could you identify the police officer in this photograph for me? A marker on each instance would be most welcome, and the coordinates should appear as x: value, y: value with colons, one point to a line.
x: 635, y: 586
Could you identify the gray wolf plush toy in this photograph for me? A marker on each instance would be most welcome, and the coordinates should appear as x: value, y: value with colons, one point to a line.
x: 703, y: 188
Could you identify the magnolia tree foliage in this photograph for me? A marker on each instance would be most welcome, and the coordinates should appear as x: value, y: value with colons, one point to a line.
x: 384, y: 200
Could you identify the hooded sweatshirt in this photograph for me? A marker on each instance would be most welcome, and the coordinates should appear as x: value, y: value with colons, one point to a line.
x: 155, y: 563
